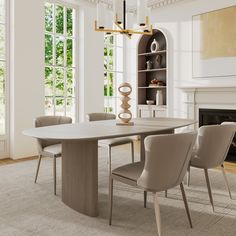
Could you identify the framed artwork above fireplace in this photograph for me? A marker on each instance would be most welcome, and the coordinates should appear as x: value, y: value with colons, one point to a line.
x: 214, y: 43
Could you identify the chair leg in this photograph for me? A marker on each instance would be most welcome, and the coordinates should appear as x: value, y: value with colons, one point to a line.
x: 132, y: 151
x: 55, y: 174
x: 110, y: 199
x: 226, y: 180
x: 209, y: 188
x: 188, y: 176
x: 186, y: 205
x: 37, y: 171
x: 157, y: 213
x: 109, y: 160
x: 145, y: 199
x: 166, y: 193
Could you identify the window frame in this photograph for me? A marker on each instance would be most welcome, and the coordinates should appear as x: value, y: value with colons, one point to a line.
x: 115, y: 72
x: 75, y: 39
x: 5, y: 138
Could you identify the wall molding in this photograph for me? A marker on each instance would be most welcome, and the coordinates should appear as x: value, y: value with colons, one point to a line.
x: 153, y: 4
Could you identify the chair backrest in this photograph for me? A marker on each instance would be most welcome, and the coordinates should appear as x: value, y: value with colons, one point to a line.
x: 100, y: 116
x: 213, y: 144
x: 166, y: 160
x: 48, y: 121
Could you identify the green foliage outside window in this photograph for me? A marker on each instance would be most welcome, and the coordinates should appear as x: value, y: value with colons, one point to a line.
x: 48, y: 17
x: 59, y: 19
x: 48, y: 49
x: 69, y: 22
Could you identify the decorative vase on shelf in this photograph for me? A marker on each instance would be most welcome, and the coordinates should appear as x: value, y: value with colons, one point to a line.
x: 158, y: 60
x: 149, y: 65
x: 155, y: 46
x: 159, y: 98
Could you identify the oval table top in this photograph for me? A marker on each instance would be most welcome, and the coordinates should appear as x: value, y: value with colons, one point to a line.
x: 106, y: 129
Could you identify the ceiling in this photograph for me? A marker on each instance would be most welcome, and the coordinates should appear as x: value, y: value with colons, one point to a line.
x: 132, y: 3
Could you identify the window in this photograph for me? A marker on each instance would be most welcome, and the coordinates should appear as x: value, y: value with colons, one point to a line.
x: 60, y: 60
x: 113, y: 71
x: 3, y: 66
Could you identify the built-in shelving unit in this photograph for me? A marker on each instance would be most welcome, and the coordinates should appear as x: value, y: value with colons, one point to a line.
x: 159, y: 71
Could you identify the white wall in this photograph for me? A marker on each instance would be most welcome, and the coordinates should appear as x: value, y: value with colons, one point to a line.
x: 27, y: 70
x: 91, y: 67
x: 176, y: 22
x: 26, y: 73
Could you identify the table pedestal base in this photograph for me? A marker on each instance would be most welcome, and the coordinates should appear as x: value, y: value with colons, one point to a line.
x: 80, y: 175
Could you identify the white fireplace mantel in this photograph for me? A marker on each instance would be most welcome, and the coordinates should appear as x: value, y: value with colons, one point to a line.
x: 196, y: 97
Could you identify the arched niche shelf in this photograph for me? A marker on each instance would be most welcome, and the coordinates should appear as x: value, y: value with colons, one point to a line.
x: 152, y: 67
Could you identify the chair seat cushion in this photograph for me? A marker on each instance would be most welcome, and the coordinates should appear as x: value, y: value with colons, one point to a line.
x: 53, y: 150
x: 131, y: 171
x: 114, y: 141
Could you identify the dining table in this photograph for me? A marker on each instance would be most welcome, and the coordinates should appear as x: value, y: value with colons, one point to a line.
x: 80, y: 153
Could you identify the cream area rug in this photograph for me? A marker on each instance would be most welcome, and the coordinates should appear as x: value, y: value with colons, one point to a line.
x: 28, y: 209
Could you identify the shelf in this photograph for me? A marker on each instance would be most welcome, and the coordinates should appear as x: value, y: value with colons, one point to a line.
x: 154, y: 106
x: 154, y: 87
x: 152, y: 70
x: 152, y: 53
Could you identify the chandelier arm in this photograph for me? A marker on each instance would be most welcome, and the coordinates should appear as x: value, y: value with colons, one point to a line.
x: 142, y: 33
x: 150, y: 31
x: 118, y: 25
x: 109, y: 30
x: 124, y: 14
x: 122, y: 31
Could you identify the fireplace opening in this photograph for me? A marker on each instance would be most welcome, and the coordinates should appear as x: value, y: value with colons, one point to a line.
x: 217, y: 116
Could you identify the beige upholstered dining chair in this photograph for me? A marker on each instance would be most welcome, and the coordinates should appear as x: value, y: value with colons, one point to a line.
x: 50, y: 148
x: 166, y: 161
x: 213, y: 144
x: 109, y: 143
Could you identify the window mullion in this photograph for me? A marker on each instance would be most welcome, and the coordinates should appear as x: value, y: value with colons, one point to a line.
x: 108, y: 78
x: 114, y: 68
x: 54, y: 59
x: 65, y: 59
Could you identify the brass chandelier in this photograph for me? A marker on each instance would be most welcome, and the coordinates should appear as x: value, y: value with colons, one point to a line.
x: 119, y: 20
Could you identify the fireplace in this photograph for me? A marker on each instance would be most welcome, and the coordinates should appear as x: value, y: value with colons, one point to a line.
x: 217, y: 116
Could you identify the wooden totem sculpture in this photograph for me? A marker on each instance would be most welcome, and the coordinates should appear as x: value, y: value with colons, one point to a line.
x: 125, y: 114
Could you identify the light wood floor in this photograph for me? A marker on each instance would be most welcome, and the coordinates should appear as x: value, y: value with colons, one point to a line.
x: 8, y: 161
x: 230, y: 167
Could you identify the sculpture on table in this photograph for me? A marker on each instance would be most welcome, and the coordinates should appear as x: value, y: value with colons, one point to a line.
x: 125, y: 114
